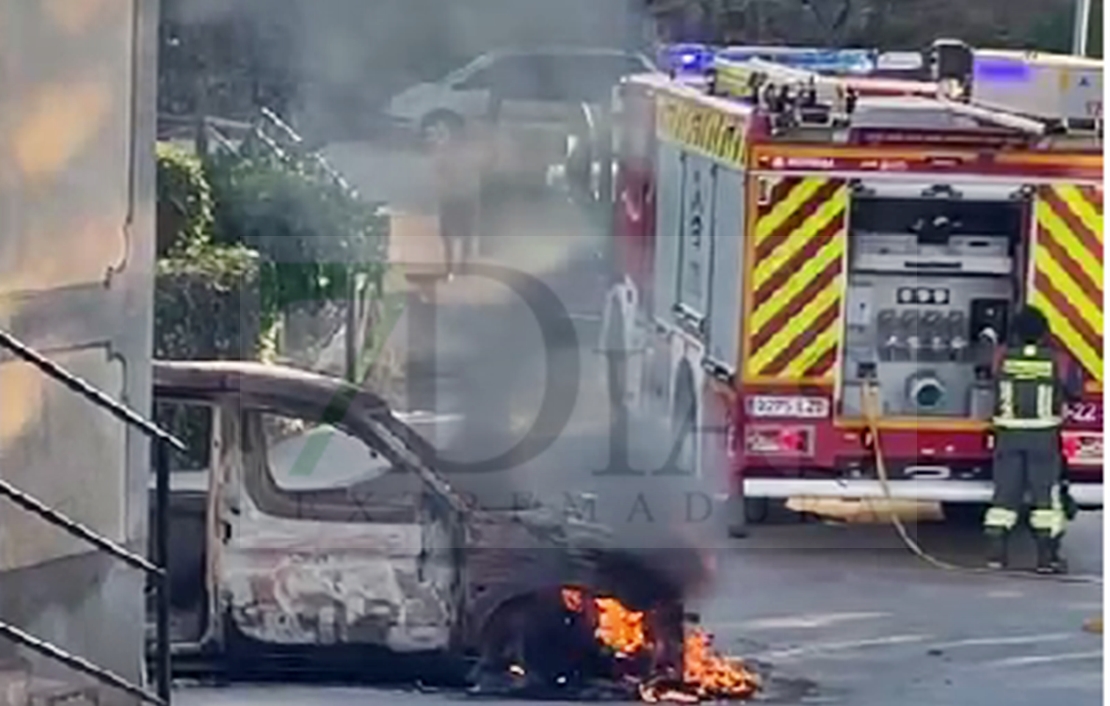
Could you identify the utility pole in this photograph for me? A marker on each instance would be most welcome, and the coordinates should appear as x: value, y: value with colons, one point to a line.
x: 1081, y: 28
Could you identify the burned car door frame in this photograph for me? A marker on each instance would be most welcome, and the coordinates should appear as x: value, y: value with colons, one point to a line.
x: 193, y: 601
x: 369, y: 563
x: 253, y: 523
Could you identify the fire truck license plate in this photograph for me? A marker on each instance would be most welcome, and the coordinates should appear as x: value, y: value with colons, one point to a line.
x: 767, y: 406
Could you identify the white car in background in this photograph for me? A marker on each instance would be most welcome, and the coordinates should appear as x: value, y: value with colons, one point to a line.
x: 514, y: 86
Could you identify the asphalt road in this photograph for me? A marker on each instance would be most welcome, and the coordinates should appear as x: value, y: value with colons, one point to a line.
x: 833, y: 612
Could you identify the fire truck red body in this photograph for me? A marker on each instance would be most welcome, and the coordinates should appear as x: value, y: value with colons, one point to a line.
x: 771, y: 261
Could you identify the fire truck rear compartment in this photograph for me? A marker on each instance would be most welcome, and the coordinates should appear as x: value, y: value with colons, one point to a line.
x: 932, y: 278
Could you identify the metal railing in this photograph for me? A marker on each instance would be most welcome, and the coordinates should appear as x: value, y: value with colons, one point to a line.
x: 295, y: 143
x: 154, y: 570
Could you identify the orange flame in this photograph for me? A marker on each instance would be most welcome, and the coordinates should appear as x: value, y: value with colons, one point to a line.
x: 620, y: 628
x: 706, y: 674
x: 713, y: 675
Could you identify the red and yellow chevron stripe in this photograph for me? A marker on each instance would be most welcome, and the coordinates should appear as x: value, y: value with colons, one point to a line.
x: 1066, y: 273
x: 795, y: 279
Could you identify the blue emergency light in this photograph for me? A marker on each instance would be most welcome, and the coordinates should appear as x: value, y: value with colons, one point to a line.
x: 686, y: 58
x: 838, y: 62
x: 1002, y: 70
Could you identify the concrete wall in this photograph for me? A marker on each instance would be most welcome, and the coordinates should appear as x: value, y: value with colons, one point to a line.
x: 77, y: 83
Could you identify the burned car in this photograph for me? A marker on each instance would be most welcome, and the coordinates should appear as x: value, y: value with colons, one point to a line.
x: 308, y: 517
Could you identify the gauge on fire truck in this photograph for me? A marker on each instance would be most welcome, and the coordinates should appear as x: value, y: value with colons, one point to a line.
x: 923, y: 295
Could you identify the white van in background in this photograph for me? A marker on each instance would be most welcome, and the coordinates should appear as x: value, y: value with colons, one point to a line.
x: 514, y: 87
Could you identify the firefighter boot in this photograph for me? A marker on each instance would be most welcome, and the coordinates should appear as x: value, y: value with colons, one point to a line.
x: 1049, y: 560
x: 998, y: 550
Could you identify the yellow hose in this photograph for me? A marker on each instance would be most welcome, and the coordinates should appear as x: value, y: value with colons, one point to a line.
x: 871, y: 416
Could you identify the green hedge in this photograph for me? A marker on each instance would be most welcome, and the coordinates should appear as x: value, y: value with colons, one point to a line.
x: 311, y: 234
x: 243, y: 239
x: 185, y: 206
x: 208, y: 305
x: 207, y: 296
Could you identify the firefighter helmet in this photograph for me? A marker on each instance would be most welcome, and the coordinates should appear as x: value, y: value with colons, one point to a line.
x: 1030, y: 326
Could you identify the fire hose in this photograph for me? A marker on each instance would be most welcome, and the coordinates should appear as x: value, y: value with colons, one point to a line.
x: 870, y: 404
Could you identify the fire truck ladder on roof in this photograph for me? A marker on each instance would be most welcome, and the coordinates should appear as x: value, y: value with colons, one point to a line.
x: 830, y: 101
x: 156, y: 571
x: 808, y: 98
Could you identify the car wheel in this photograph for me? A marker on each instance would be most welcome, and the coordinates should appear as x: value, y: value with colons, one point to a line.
x: 440, y: 128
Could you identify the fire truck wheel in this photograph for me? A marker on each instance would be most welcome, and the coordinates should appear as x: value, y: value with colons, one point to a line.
x: 964, y: 514
x: 768, y: 511
x: 757, y: 510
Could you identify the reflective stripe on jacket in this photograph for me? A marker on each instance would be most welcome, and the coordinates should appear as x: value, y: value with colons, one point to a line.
x: 1028, y: 392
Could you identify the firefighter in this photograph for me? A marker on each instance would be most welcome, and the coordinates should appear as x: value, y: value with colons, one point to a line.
x: 1032, y: 382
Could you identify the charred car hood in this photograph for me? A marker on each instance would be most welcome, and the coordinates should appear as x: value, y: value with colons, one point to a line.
x: 555, y: 549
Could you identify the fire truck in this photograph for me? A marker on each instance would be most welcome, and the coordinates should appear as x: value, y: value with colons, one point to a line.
x: 785, y: 237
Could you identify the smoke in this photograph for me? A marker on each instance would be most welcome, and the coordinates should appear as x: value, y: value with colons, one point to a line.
x: 347, y: 57
x: 479, y: 349
x: 494, y: 367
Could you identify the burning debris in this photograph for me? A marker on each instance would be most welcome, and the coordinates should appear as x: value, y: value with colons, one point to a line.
x: 573, y: 643
x: 640, y: 659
